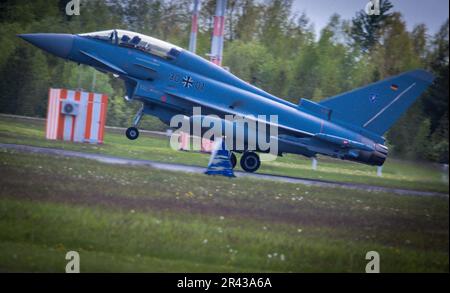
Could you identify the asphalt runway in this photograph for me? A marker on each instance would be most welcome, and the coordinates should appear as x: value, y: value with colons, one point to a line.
x: 200, y: 170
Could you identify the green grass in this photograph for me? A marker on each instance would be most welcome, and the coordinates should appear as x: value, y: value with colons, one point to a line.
x: 140, y: 219
x: 396, y: 173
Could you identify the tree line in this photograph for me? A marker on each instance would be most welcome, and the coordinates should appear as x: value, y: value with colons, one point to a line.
x: 267, y: 44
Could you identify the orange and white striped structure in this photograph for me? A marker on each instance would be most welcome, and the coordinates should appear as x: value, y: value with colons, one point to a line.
x: 76, y: 116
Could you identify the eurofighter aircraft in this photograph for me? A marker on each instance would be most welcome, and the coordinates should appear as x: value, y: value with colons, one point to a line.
x: 171, y: 81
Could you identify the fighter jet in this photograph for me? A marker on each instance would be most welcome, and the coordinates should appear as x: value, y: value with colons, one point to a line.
x: 169, y: 80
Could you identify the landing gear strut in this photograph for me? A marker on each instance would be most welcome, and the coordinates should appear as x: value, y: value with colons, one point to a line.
x: 233, y: 160
x: 132, y: 132
x: 250, y: 162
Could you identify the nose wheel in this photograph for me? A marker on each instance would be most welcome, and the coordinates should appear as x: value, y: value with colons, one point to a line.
x: 250, y: 162
x: 132, y: 132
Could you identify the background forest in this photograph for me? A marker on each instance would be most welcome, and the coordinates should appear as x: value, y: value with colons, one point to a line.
x: 266, y: 44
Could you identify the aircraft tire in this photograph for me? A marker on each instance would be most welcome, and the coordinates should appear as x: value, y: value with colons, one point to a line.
x: 132, y: 133
x: 233, y: 160
x: 250, y: 162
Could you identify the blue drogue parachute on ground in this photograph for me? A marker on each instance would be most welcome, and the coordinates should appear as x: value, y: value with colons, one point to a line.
x: 220, y: 161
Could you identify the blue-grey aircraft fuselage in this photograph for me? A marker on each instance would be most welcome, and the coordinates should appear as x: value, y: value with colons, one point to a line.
x: 169, y: 81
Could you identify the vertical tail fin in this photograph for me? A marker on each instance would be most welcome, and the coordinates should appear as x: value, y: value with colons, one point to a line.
x: 378, y: 106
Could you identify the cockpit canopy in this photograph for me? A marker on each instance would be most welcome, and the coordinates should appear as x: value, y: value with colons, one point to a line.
x: 137, y: 41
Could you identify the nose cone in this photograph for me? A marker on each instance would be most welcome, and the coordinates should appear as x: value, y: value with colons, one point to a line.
x: 56, y: 44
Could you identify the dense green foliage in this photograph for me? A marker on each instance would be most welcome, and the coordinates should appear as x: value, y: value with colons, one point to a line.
x: 267, y: 45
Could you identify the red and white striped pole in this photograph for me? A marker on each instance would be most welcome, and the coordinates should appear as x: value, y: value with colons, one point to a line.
x: 184, y: 137
x: 217, y: 38
x: 194, y: 26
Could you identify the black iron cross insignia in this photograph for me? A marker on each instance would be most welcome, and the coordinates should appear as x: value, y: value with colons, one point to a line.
x: 187, y: 81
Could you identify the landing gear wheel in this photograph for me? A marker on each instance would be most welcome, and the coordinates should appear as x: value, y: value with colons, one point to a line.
x: 132, y: 133
x: 250, y: 162
x: 233, y: 160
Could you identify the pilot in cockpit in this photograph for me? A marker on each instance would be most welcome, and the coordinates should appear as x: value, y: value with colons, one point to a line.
x: 137, y: 41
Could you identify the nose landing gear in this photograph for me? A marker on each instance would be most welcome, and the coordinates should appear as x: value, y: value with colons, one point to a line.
x: 132, y: 132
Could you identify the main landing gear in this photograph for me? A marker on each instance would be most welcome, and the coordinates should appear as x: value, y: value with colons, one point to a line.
x: 233, y: 160
x: 132, y: 132
x: 250, y: 162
